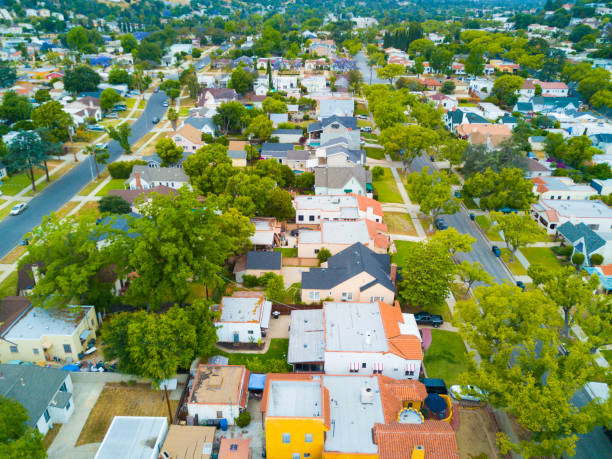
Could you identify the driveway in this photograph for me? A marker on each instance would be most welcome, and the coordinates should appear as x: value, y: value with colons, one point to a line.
x: 85, y: 395
x: 61, y: 191
x: 293, y: 274
x: 254, y: 430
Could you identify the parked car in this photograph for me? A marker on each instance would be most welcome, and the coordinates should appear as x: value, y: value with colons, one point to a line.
x: 471, y: 393
x: 458, y: 194
x: 96, y: 127
x: 111, y: 115
x: 155, y: 120
x: 496, y: 251
x: 17, y: 209
x: 425, y: 318
x: 362, y: 117
x: 520, y: 284
x: 156, y: 90
x: 366, y: 129
x: 101, y: 146
x: 441, y: 224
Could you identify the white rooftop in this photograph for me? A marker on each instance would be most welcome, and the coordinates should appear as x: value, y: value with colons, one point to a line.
x: 352, y: 420
x: 306, y: 339
x: 354, y: 327
x: 325, y: 202
x: 578, y: 208
x: 343, y: 232
x: 135, y: 437
x: 409, y: 327
x: 310, y: 237
x: 244, y: 309
x: 295, y: 398
x: 39, y: 322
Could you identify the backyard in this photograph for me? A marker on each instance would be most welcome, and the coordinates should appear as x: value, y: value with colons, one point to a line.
x: 447, y: 356
x: 122, y: 400
x: 386, y: 188
x: 277, y: 351
x: 8, y: 287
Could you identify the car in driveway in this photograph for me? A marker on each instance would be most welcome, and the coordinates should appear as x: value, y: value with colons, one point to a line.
x: 441, y: 224
x: 366, y: 129
x: 470, y: 393
x: 425, y: 318
x: 18, y: 208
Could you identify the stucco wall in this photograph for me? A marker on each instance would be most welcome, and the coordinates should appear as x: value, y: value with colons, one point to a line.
x: 393, y: 365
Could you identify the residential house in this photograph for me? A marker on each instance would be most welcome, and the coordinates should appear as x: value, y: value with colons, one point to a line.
x: 549, y: 89
x: 508, y: 120
x: 336, y: 153
x: 524, y: 108
x: 288, y: 135
x: 342, y: 180
x: 324, y: 48
x: 212, y: 97
x: 235, y: 448
x: 603, y: 187
x: 491, y: 135
x: 276, y: 151
x: 236, y: 150
x: 188, y: 137
x: 336, y: 236
x: 335, y: 127
x: 563, y: 188
x: 134, y: 436
x: 491, y: 111
x: 537, y: 142
x: 279, y: 118
x: 202, y: 124
x: 604, y: 272
x: 454, y: 118
x: 221, y: 64
x: 431, y: 83
x: 145, y: 177
x: 314, y: 83
x: 356, y: 273
x: 285, y: 82
x: 300, y: 160
x: 45, y: 393
x: 267, y: 233
x: 184, y: 441
x: 133, y: 197
x: 537, y: 168
x: 504, y: 66
x: 343, y: 65
x: 257, y: 263
x: 601, y: 141
x: 443, y: 101
x: 550, y: 104
x: 244, y: 61
x: 602, y: 159
x: 34, y: 334
x: 586, y: 241
x: 315, y: 209
x: 243, y: 319
x: 315, y: 64
x: 336, y: 107
x: 552, y: 213
x: 367, y: 416
x: 219, y: 392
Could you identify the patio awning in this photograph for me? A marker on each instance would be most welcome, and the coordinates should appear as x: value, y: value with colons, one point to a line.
x: 84, y: 334
x: 257, y: 381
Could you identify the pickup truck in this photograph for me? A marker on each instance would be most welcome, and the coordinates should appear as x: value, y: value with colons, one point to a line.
x: 425, y: 318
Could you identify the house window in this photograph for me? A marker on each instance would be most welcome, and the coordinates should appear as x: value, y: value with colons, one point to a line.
x: 14, y: 349
x: 234, y: 447
x: 559, y: 197
x: 308, y: 438
x: 376, y: 298
x: 36, y: 351
x: 552, y: 197
x: 311, y: 295
x: 316, y: 251
x: 300, y: 218
x: 219, y: 414
x: 363, y: 365
x: 347, y: 296
x: 67, y: 349
x: 250, y: 332
x: 63, y: 387
x: 409, y: 373
x: 286, y: 438
x: 68, y: 405
x: 46, y: 415
x: 306, y: 454
x: 568, y: 197
x: 311, y: 218
x: 296, y: 456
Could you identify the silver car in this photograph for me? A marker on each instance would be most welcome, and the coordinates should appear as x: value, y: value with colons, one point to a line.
x: 17, y: 209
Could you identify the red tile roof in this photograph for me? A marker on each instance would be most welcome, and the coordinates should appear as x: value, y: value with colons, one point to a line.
x: 397, y: 441
x: 394, y: 392
x: 406, y: 346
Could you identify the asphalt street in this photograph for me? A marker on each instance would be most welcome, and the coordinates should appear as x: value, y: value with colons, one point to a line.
x: 368, y: 73
x: 61, y: 191
x: 481, y: 251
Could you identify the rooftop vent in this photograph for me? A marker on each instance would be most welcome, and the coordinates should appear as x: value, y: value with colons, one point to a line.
x: 367, y: 395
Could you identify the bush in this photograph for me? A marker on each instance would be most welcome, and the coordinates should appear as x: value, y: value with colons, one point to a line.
x: 565, y: 251
x: 377, y: 172
x: 578, y: 259
x: 250, y: 281
x: 596, y: 259
x: 123, y: 169
x: 243, y: 419
x: 323, y: 255
x: 114, y: 205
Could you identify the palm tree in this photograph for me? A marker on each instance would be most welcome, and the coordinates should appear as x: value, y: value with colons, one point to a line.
x: 173, y: 116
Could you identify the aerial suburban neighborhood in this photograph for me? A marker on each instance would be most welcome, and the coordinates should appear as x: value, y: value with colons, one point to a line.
x: 305, y: 229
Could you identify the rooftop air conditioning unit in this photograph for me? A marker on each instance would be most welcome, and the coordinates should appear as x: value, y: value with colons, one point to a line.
x: 367, y: 395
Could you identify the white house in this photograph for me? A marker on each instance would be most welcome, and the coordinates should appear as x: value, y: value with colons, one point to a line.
x: 360, y: 338
x: 243, y: 319
x: 219, y: 392
x: 561, y: 188
x: 490, y: 111
x: 314, y: 83
x: 336, y: 106
x: 285, y: 82
x: 45, y: 393
x: 134, y: 436
x: 145, y: 177
x: 342, y: 180
x: 552, y: 213
x: 314, y: 209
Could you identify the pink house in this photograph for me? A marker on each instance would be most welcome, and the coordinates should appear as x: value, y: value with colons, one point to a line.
x: 187, y: 137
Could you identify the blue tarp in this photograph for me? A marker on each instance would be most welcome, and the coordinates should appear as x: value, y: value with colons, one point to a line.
x: 435, y: 403
x: 71, y: 367
x: 257, y: 381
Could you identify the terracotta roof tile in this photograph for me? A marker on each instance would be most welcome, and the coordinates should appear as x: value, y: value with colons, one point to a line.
x: 397, y: 441
x: 394, y: 392
x: 606, y: 270
x: 391, y: 318
x: 244, y: 397
x: 364, y: 202
x: 406, y: 346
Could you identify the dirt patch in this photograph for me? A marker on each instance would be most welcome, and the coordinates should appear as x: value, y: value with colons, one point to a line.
x: 13, y: 255
x: 400, y: 223
x: 126, y: 400
x: 476, y: 434
x: 51, y: 434
x: 66, y: 209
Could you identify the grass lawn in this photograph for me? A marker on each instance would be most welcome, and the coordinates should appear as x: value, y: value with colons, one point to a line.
x: 114, y: 184
x: 278, y: 351
x: 386, y: 188
x: 8, y: 287
x: 375, y: 153
x: 142, y: 104
x: 184, y: 112
x: 399, y: 223
x: 361, y: 109
x: 542, y: 256
x: 66, y: 209
x: 484, y: 222
x: 469, y: 202
x: 5, y: 211
x: 363, y: 123
x: 447, y: 357
x: 14, y: 184
x: 129, y: 103
x: 515, y: 267
x: 370, y: 137
x: 13, y: 255
x: 196, y: 292
x: 288, y: 252
x: 87, y: 189
x: 122, y: 400
x: 89, y: 207
x: 402, y: 249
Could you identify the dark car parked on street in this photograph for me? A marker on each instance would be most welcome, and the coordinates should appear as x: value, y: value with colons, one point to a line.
x: 425, y: 318
x: 441, y: 224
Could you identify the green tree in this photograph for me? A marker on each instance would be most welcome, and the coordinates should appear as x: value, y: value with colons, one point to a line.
x: 578, y: 259
x: 408, y: 141
x: 173, y: 117
x: 470, y: 273
x: 14, y: 107
x: 448, y: 87
x: 100, y: 156
x: 505, y: 89
x: 280, y: 205
x: 390, y: 72
x: 17, y: 439
x: 433, y: 193
x: 117, y: 75
x: 41, y: 96
x: 81, y: 78
x: 275, y: 288
x: 25, y: 152
x: 148, y: 51
x: 231, y: 117
x: 108, y: 99
x: 180, y: 241
x: 323, y: 255
x: 209, y: 169
x: 121, y: 134
x: 168, y: 151
x: 77, y: 38
x: 355, y: 80
x: 441, y: 60
x: 453, y: 150
x: 517, y: 230
x: 8, y: 75
x: 241, y: 81
x: 260, y: 127
x: 112, y: 204
x: 52, y: 117
x: 274, y: 105
x: 128, y: 43
x: 602, y: 99
x: 507, y: 188
x: 474, y: 64
x: 453, y: 241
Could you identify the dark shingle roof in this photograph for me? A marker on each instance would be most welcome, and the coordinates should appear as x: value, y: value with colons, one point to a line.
x: 346, y: 265
x: 32, y: 386
x: 349, y: 122
x: 287, y: 131
x: 574, y: 233
x: 276, y: 147
x: 263, y: 260
x: 12, y: 308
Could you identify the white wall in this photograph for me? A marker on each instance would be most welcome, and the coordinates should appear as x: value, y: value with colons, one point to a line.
x: 210, y: 411
x: 338, y: 363
x: 226, y: 330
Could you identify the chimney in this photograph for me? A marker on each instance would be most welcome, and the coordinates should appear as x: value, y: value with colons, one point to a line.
x: 418, y: 452
x: 393, y: 272
x: 138, y: 184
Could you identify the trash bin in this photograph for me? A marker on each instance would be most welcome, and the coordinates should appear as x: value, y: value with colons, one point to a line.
x: 472, y: 217
x: 275, y: 314
x: 223, y: 424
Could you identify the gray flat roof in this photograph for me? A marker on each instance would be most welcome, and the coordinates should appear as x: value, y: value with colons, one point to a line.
x: 579, y: 208
x: 306, y: 339
x: 351, y: 420
x: 342, y: 232
x: 132, y: 436
x: 242, y: 309
x: 295, y: 398
x: 50, y: 322
x: 354, y: 327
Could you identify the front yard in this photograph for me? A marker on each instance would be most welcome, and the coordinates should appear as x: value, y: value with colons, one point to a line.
x: 400, y: 223
x: 8, y: 287
x: 375, y: 153
x: 447, y: 356
x: 386, y: 188
x: 402, y: 250
x: 515, y: 267
x: 489, y: 229
x: 114, y: 184
x: 543, y: 256
x: 14, y: 184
